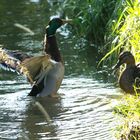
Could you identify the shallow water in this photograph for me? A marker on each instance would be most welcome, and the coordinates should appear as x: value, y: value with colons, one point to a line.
x: 83, y: 110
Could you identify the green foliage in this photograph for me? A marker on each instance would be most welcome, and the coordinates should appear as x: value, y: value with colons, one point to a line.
x: 112, y: 25
x: 129, y: 108
x: 91, y: 18
x: 126, y: 31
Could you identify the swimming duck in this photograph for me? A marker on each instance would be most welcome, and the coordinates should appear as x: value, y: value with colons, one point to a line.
x: 45, y: 72
x: 131, y: 74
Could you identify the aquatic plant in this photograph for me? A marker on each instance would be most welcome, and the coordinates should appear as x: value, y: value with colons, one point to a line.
x: 90, y: 17
x: 109, y: 25
x: 126, y: 31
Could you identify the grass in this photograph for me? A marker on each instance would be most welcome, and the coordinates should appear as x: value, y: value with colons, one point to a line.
x: 129, y: 105
x: 126, y: 36
x: 112, y: 26
x: 90, y: 18
x: 126, y: 31
x: 108, y: 25
x: 129, y: 109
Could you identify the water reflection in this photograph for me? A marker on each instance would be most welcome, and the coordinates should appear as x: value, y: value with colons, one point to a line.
x: 35, y: 119
x: 83, y: 111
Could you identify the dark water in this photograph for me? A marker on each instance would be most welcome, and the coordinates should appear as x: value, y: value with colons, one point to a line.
x: 84, y: 109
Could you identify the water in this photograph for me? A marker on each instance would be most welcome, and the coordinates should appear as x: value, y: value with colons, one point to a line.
x: 84, y: 109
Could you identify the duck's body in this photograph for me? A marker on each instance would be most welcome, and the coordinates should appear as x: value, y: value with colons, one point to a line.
x: 53, y: 79
x: 44, y: 72
x: 127, y: 80
x: 49, y: 80
x: 131, y: 73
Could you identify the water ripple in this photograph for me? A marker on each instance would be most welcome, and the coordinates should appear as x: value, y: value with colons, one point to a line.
x: 84, y: 111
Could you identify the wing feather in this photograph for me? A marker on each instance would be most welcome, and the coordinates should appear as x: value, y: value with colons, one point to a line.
x: 34, y: 68
x: 8, y: 61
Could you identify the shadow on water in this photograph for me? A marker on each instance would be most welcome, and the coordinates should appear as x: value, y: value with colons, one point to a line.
x: 84, y: 109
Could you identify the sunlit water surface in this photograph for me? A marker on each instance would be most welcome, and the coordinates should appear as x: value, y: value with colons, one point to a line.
x: 82, y: 112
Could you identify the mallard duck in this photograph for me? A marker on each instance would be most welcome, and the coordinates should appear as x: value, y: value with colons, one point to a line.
x: 131, y: 74
x: 45, y: 72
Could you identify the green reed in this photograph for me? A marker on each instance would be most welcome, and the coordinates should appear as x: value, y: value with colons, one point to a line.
x: 90, y: 18
x: 112, y: 26
x: 129, y: 109
x: 126, y: 31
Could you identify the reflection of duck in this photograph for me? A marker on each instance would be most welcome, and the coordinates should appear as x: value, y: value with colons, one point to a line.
x: 131, y: 73
x: 35, y: 119
x: 44, y: 72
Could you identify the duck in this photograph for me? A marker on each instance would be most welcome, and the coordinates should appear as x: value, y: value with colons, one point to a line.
x: 129, y: 78
x: 44, y: 72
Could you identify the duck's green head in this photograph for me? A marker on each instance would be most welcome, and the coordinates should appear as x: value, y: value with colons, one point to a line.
x: 54, y: 24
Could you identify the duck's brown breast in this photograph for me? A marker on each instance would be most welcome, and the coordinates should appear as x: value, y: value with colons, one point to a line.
x: 127, y: 79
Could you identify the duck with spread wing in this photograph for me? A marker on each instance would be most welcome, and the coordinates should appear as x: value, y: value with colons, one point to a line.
x: 45, y: 72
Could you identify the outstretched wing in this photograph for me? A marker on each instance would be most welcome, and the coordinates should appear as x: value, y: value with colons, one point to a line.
x: 34, y: 68
x: 18, y: 55
x: 37, y: 70
x: 37, y: 67
x: 11, y: 59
